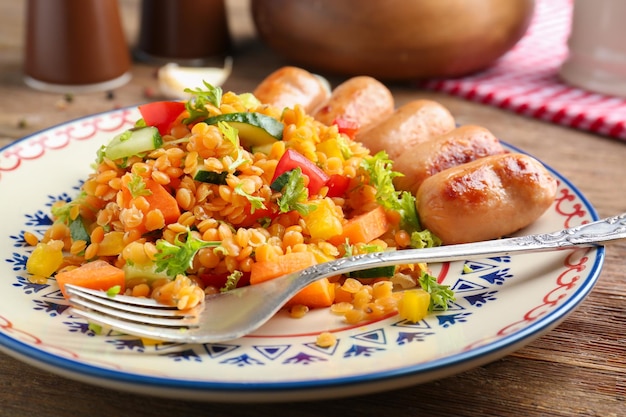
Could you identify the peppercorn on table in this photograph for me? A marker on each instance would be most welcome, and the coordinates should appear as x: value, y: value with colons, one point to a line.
x: 578, y: 368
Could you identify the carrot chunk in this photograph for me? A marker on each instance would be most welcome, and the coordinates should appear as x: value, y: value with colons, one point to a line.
x: 282, y: 265
x: 363, y: 228
x: 320, y: 293
x: 97, y: 275
x: 162, y: 200
x: 158, y: 198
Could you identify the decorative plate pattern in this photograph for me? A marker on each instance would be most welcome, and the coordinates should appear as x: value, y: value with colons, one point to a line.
x: 502, y: 304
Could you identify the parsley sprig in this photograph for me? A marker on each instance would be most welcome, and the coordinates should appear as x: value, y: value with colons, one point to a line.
x: 440, y: 295
x: 176, y: 258
x: 231, y: 134
x: 256, y: 202
x: 294, y: 192
x: 231, y: 281
x: 137, y: 186
x: 197, y: 105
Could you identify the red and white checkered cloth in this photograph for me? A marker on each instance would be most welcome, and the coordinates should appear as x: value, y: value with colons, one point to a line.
x: 525, y: 80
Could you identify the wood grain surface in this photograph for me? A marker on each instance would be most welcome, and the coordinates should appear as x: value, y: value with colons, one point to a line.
x: 579, y: 368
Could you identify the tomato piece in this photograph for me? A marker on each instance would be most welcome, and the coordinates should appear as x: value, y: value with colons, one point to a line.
x: 293, y: 159
x: 347, y: 127
x: 161, y: 114
x: 218, y: 280
x: 337, y: 185
x: 258, y: 214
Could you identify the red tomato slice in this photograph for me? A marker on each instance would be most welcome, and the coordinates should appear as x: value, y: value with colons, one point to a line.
x: 161, y: 114
x: 292, y: 159
x: 218, y: 280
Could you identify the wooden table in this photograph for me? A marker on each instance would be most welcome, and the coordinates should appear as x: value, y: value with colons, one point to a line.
x: 579, y: 368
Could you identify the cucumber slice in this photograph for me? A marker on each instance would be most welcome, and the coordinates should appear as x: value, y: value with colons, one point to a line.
x: 380, y: 272
x: 262, y: 148
x: 211, y: 177
x: 147, y: 272
x: 255, y: 129
x: 134, y: 142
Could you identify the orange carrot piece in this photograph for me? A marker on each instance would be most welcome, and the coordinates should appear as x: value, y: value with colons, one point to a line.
x: 317, y: 294
x: 97, y: 275
x: 284, y: 264
x: 159, y: 198
x: 162, y: 200
x: 363, y: 228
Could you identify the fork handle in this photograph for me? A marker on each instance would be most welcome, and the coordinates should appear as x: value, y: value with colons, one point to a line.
x: 587, y: 235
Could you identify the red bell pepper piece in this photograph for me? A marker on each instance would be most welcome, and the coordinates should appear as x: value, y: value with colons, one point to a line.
x: 161, y: 114
x: 292, y: 159
x: 337, y: 185
x: 346, y: 126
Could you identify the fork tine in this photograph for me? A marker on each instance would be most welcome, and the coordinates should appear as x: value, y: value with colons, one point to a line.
x: 171, y: 321
x: 138, y: 301
x: 100, y: 307
x: 172, y: 334
x: 126, y: 304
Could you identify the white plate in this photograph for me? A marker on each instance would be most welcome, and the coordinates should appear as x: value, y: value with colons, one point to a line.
x: 502, y: 304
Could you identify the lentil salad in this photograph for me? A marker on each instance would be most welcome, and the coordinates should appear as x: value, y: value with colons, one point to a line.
x: 222, y: 191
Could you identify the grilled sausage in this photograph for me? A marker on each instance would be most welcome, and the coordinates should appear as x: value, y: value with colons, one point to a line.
x: 413, y: 123
x: 289, y: 86
x: 362, y: 99
x: 461, y: 145
x: 485, y: 199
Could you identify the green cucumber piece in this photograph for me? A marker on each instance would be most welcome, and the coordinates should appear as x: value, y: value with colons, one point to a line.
x: 262, y: 148
x: 379, y: 272
x: 134, y: 142
x: 255, y: 129
x: 279, y: 183
x: 211, y: 177
x: 147, y: 272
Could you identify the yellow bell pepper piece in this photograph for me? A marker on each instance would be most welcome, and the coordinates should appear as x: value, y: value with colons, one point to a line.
x: 413, y: 306
x: 323, y: 222
x: 45, y: 259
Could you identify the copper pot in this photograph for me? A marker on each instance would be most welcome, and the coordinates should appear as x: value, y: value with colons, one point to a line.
x: 392, y: 39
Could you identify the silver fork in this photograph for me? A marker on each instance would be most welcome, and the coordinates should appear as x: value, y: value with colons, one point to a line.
x: 236, y: 313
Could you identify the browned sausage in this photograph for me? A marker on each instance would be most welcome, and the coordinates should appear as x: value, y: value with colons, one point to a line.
x: 362, y: 99
x: 413, y: 123
x: 485, y: 199
x: 461, y: 145
x: 289, y: 86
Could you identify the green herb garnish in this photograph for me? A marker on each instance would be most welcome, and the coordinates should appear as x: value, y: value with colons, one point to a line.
x: 381, y: 176
x: 440, y: 295
x: 137, y: 186
x: 113, y: 291
x: 231, y: 281
x: 197, y: 105
x: 232, y: 135
x: 294, y: 193
x: 176, y: 258
x: 256, y: 202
